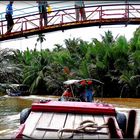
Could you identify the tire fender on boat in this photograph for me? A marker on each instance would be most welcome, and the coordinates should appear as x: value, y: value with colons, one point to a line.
x: 121, y: 119
x: 24, y: 115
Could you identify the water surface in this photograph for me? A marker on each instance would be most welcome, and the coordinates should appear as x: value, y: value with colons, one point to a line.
x: 10, y: 108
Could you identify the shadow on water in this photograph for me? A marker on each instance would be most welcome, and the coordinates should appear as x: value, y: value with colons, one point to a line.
x: 10, y: 108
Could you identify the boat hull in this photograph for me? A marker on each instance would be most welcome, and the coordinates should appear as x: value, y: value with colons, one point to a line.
x: 47, y: 118
x: 74, y: 107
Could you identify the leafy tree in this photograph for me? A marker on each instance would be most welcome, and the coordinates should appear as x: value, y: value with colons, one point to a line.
x: 10, y: 72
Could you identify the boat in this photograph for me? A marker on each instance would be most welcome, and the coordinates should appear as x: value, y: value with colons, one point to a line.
x: 65, y: 119
x: 76, y: 85
x: 17, y: 90
x: 48, y: 119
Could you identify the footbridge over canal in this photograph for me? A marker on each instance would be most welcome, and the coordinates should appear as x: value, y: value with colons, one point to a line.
x: 64, y: 17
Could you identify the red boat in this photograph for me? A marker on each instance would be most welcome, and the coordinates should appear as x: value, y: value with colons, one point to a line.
x: 48, y: 119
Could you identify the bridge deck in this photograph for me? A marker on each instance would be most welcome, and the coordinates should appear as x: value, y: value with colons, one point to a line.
x: 64, y: 19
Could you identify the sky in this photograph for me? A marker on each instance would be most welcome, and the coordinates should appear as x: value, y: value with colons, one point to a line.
x: 58, y: 37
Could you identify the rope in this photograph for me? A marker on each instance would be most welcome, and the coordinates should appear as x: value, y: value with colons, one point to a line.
x: 87, y: 126
x: 72, y: 99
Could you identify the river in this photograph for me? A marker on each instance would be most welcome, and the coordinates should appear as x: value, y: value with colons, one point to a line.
x: 10, y: 108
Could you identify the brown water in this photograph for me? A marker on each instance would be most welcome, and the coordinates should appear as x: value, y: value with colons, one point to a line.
x: 10, y: 108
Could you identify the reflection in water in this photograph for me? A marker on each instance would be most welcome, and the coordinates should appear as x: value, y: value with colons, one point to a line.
x: 10, y: 108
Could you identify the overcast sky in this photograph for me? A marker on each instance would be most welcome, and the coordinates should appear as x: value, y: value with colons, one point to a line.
x: 57, y: 37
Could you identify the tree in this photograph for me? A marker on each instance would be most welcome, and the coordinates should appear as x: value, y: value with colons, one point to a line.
x: 10, y: 72
x: 40, y: 39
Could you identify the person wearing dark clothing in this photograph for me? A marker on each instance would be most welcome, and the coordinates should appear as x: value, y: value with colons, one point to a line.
x: 89, y: 93
x: 42, y: 7
x: 79, y: 9
x: 8, y: 16
x: 82, y: 91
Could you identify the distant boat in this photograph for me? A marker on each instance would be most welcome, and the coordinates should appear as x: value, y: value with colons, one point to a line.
x: 17, y: 90
x: 74, y: 86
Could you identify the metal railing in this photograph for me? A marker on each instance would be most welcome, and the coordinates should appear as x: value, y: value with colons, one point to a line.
x: 30, y: 21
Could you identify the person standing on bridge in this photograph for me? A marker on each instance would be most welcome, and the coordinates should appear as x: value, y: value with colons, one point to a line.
x: 79, y: 9
x: 8, y: 16
x: 42, y: 7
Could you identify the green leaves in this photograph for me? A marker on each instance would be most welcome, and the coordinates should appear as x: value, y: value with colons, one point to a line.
x: 114, y: 61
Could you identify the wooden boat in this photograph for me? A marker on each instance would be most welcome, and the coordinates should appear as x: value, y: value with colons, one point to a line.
x: 48, y: 119
x: 17, y: 90
x: 75, y: 86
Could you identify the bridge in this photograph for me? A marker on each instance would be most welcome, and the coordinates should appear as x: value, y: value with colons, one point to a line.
x: 64, y: 18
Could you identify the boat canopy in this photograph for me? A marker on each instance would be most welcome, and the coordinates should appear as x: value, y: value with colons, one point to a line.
x: 73, y: 81
x: 74, y: 85
x: 69, y: 82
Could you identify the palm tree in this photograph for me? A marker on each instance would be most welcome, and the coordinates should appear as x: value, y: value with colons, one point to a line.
x: 108, y: 39
x: 135, y: 40
x: 34, y: 74
x: 58, y: 47
x: 40, y: 39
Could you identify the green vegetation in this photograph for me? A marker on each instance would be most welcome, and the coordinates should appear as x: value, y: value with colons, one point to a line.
x: 114, y: 61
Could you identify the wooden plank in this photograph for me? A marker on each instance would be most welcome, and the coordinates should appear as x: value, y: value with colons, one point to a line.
x: 89, y: 136
x: 62, y: 120
x: 31, y: 122
x: 57, y: 122
x: 43, y: 122
x: 69, y: 124
x: 77, y: 121
x: 100, y: 121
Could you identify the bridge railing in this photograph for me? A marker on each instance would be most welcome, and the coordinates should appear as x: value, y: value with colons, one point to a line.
x: 58, y: 17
